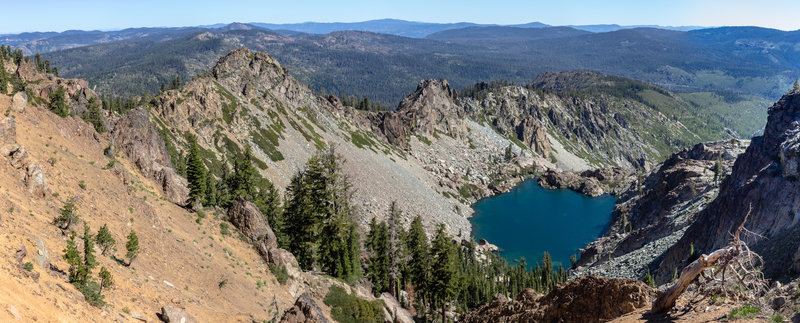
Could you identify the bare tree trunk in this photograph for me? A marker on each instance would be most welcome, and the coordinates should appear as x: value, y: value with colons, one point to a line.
x: 667, y: 298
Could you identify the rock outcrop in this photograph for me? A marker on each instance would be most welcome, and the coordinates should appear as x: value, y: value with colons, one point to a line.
x: 763, y: 184
x: 245, y: 216
x: 586, y: 299
x: 431, y: 110
x: 33, y: 176
x: 136, y: 137
x: 305, y: 310
x: 559, y: 118
x: 594, y: 182
x: 653, y: 211
x: 248, y: 219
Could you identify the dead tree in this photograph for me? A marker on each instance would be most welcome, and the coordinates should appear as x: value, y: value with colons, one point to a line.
x: 734, y: 260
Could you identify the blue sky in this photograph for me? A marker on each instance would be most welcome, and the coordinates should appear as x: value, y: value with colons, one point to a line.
x: 59, y: 15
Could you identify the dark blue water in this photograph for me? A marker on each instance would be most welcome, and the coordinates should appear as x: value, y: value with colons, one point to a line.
x: 529, y: 220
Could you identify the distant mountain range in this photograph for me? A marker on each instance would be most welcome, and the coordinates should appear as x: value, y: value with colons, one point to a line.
x: 743, y: 65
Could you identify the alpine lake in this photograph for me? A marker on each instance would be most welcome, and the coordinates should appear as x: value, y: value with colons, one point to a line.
x: 529, y: 220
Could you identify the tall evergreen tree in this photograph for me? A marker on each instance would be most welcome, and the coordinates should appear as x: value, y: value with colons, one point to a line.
x: 377, y: 244
x: 73, y: 258
x: 89, y: 259
x: 319, y: 217
x: 3, y: 77
x: 93, y: 115
x: 444, y: 275
x: 195, y: 172
x: 269, y: 203
x: 419, y: 265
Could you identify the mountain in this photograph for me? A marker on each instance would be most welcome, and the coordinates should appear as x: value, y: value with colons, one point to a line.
x: 732, y: 82
x: 500, y: 33
x: 383, y: 26
x: 693, y: 202
x: 603, y: 28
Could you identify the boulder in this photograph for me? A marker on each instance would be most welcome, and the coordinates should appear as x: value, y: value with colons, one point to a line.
x: 282, y: 258
x: 19, y: 157
x: 397, y: 313
x: 12, y: 310
x: 35, y: 180
x: 8, y: 131
x: 172, y: 314
x: 246, y: 216
x: 305, y: 310
x: 19, y: 101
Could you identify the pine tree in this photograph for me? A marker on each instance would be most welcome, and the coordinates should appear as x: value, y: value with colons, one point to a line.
x: 106, y: 280
x: 241, y: 181
x: 3, y: 77
x: 195, y: 171
x: 444, y: 275
x: 796, y: 86
x: 417, y: 246
x: 300, y: 219
x: 89, y: 259
x: 58, y: 102
x: 94, y: 116
x: 211, y: 190
x: 269, y: 203
x: 132, y: 246
x: 377, y: 244
x: 73, y: 258
x: 104, y: 239
x: 67, y: 215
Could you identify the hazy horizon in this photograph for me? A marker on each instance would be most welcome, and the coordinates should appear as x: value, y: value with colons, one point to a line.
x: 59, y: 16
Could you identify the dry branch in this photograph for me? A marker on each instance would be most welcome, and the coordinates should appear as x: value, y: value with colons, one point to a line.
x: 735, y: 258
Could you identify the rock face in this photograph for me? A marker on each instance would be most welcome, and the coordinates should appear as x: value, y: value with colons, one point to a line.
x: 586, y: 299
x: 606, y: 130
x: 172, y: 314
x: 593, y: 182
x: 136, y: 137
x: 653, y: 211
x: 246, y: 216
x: 432, y: 109
x: 397, y: 313
x: 305, y: 310
x: 763, y: 183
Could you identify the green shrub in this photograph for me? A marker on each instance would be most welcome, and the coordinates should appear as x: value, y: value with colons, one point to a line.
x: 346, y: 308
x: 745, y: 312
x: 91, y: 291
x: 280, y: 273
x: 224, y: 229
x: 28, y: 266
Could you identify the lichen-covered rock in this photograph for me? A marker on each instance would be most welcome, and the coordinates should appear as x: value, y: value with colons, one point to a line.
x: 305, y: 310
